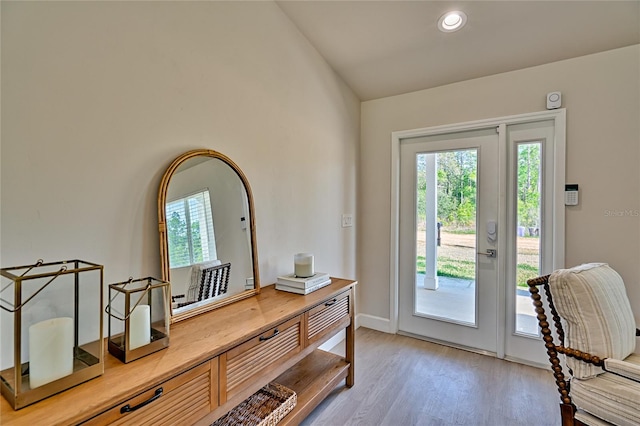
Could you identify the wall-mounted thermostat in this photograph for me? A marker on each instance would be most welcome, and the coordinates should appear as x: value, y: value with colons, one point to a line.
x: 571, y: 194
x: 554, y: 100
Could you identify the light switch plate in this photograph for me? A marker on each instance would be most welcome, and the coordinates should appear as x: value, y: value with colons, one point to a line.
x: 347, y: 220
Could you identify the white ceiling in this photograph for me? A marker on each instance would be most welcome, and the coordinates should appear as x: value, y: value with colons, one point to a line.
x: 385, y: 48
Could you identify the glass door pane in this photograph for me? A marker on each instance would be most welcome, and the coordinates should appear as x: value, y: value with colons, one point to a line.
x: 445, y: 285
x: 528, y: 232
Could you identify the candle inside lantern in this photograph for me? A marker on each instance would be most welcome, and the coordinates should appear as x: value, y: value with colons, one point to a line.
x: 140, y: 327
x: 50, y: 350
x: 303, y: 265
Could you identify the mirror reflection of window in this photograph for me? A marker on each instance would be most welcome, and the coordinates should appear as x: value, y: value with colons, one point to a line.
x: 190, y: 230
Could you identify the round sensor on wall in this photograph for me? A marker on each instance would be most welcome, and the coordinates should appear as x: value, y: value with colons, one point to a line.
x: 554, y: 100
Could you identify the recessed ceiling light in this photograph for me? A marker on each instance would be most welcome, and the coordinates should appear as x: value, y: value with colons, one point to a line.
x: 452, y: 21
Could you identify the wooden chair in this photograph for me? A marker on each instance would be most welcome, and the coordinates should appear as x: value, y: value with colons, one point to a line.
x: 603, y: 386
x: 213, y: 281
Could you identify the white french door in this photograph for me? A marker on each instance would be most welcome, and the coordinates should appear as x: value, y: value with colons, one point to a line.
x: 480, y: 211
x: 532, y: 224
x: 459, y: 310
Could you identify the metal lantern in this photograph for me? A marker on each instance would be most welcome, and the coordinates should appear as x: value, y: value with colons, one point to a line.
x: 139, y: 317
x: 51, y: 328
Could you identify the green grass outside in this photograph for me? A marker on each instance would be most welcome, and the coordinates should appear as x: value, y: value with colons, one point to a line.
x: 465, y: 269
x: 461, y: 231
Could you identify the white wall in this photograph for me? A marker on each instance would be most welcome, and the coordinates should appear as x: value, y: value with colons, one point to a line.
x: 99, y: 97
x: 602, y: 95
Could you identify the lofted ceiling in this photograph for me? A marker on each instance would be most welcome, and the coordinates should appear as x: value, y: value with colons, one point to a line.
x: 384, y: 48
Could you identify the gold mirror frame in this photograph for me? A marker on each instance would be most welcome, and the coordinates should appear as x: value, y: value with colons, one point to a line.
x: 164, y: 243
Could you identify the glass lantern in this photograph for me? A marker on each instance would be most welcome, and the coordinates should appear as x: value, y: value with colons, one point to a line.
x: 51, y: 328
x: 138, y: 318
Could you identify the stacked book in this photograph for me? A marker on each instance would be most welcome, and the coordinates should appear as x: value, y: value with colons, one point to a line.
x: 294, y: 284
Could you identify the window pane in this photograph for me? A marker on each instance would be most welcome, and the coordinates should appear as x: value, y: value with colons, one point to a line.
x: 446, y: 235
x: 177, y: 235
x: 196, y: 214
x: 190, y: 230
x: 527, y: 233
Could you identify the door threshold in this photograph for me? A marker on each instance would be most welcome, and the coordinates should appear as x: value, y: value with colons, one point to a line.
x: 474, y: 350
x: 445, y: 343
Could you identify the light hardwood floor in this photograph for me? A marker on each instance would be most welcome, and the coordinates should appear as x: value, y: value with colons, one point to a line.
x: 404, y: 381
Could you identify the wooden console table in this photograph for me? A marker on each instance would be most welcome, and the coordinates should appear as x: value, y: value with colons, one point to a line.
x: 215, y: 361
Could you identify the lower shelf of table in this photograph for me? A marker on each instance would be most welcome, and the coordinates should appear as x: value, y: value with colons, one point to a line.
x: 313, y: 378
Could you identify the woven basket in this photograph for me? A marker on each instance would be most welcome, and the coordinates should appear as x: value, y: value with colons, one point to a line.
x: 264, y: 408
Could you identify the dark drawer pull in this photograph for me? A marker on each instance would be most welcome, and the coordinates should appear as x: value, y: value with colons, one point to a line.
x: 331, y: 303
x: 275, y: 333
x: 128, y: 409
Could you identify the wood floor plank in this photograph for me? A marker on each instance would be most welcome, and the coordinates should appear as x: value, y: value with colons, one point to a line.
x: 404, y: 381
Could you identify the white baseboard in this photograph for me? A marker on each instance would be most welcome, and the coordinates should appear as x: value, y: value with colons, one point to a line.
x: 374, y: 323
x: 331, y: 343
x: 364, y: 320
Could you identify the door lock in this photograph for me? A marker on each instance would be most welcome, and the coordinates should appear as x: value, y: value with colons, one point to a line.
x: 490, y: 253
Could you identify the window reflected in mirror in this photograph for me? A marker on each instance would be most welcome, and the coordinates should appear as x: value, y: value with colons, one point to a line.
x: 190, y: 230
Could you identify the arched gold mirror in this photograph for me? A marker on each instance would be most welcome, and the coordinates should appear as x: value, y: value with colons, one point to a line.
x: 208, y: 244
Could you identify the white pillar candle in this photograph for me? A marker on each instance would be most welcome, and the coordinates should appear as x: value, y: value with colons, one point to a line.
x: 303, y: 265
x: 50, y: 351
x: 140, y: 327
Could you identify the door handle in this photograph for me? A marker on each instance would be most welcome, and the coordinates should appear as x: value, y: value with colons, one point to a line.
x: 490, y: 253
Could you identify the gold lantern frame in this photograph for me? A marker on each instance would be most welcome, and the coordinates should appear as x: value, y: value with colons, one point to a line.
x: 88, y: 358
x: 119, y: 344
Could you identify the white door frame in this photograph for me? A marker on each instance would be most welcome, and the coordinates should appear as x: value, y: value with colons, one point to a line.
x: 559, y: 118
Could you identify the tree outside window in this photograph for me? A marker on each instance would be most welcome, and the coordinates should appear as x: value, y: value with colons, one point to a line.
x: 190, y: 230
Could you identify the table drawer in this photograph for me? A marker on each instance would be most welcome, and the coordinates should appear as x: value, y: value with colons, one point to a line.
x: 181, y: 400
x: 328, y: 316
x: 241, y: 366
